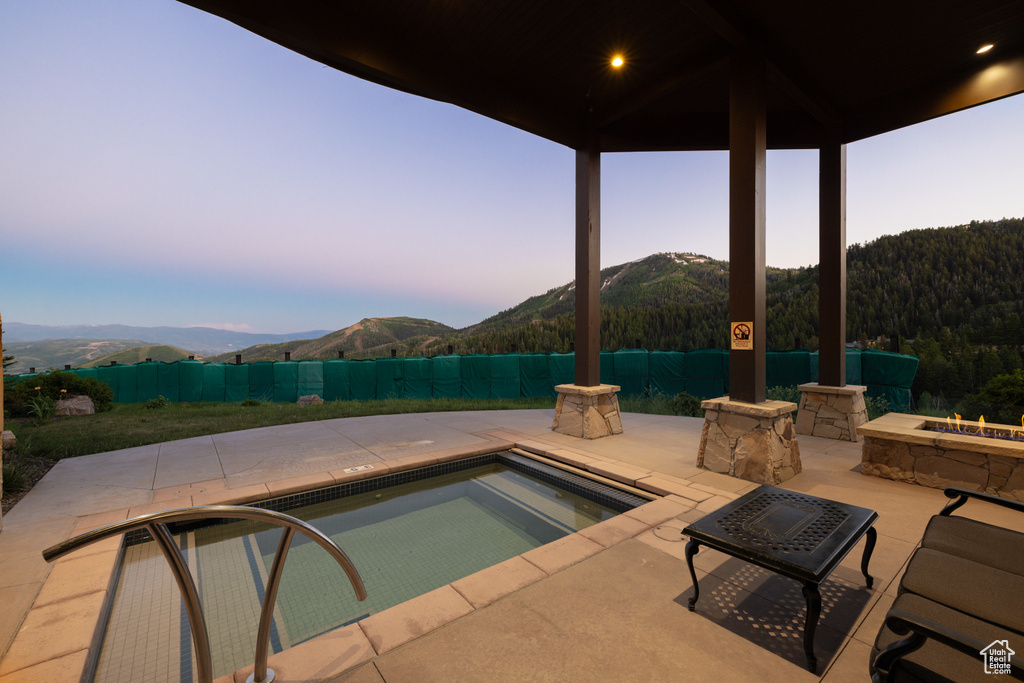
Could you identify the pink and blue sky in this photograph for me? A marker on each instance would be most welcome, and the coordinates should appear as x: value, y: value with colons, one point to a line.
x: 161, y: 166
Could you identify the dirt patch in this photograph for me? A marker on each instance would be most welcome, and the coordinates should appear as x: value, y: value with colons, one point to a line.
x: 32, y: 470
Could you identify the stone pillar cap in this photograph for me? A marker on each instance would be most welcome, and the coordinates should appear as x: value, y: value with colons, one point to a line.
x: 766, y: 409
x: 588, y: 391
x: 848, y: 390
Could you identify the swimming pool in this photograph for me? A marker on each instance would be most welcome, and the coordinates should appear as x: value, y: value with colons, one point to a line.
x: 407, y: 533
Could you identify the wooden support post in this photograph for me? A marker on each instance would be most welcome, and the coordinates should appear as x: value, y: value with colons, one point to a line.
x: 588, y: 265
x: 832, y: 264
x: 747, y: 157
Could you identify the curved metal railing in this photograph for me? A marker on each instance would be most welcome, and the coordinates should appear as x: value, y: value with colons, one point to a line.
x: 156, y: 523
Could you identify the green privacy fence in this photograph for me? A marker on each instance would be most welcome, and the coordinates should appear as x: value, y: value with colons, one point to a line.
x: 704, y: 374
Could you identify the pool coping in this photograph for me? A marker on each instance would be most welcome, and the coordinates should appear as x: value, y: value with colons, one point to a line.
x: 61, y: 630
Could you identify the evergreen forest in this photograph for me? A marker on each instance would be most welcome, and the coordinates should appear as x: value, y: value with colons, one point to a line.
x: 952, y: 296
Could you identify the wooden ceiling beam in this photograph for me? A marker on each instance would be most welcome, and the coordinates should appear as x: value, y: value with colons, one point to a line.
x: 740, y: 33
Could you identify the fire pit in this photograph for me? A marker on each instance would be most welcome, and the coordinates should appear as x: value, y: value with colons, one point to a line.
x: 941, y: 453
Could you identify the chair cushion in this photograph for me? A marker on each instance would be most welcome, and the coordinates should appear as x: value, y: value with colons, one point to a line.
x: 976, y: 541
x: 935, y: 662
x: 973, y: 588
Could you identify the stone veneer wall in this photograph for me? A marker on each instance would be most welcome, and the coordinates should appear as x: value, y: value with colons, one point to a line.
x: 831, y: 412
x: 754, y: 441
x: 902, y: 449
x: 587, y: 412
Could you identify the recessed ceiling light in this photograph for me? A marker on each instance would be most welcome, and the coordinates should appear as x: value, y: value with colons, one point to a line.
x: 985, y: 48
x: 618, y: 61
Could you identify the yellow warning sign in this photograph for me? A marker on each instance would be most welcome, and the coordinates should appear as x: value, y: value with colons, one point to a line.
x: 742, y: 336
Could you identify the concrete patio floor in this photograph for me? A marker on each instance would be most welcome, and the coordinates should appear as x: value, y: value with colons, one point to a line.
x: 607, y: 603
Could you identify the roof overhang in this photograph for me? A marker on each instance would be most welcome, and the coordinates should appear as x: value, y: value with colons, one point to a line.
x: 843, y: 71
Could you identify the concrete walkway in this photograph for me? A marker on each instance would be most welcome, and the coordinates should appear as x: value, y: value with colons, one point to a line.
x: 608, y: 603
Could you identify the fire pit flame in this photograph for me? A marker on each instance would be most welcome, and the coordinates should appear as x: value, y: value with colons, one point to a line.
x: 1005, y: 431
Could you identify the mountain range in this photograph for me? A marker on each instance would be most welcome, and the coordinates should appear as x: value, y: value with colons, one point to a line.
x: 963, y: 282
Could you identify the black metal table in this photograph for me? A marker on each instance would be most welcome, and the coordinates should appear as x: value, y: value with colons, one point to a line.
x: 790, y: 533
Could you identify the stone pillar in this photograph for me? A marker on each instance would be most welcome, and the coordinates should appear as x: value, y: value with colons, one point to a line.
x: 831, y: 412
x: 753, y: 441
x: 587, y: 412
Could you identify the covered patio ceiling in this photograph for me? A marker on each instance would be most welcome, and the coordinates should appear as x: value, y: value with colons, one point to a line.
x: 841, y: 69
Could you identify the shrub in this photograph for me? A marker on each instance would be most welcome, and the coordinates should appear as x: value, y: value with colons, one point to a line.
x: 15, y: 477
x: 250, y: 402
x: 42, y: 407
x: 156, y: 403
x: 877, y: 406
x: 18, y: 395
x: 925, y: 401
x: 783, y: 393
x: 1000, y: 400
x: 686, y: 404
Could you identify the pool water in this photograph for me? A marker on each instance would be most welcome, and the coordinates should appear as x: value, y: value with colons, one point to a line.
x: 404, y: 540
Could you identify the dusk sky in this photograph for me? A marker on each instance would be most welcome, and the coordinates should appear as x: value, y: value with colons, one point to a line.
x: 161, y: 166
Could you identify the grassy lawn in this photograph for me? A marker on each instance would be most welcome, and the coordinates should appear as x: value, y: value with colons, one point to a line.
x: 130, y: 425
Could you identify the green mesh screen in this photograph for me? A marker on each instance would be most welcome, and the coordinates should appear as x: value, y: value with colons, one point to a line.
x: 390, y: 377
x: 446, y: 376
x: 169, y: 381
x: 563, y: 368
x: 336, y: 384
x: 889, y: 376
x: 86, y: 373
x: 418, y: 378
x: 476, y: 376
x: 261, y: 381
x: 668, y: 372
x: 788, y: 368
x: 607, y: 367
x: 505, y: 376
x: 286, y: 381
x: 362, y: 377
x: 535, y: 375
x: 190, y: 379
x: 630, y: 371
x: 214, y: 382
x: 311, y: 378
x: 111, y: 376
x: 128, y: 377
x: 854, y: 372
x: 147, y: 379
x: 236, y: 383
x: 706, y: 373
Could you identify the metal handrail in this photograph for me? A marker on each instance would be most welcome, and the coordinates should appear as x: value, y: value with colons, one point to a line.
x: 156, y: 523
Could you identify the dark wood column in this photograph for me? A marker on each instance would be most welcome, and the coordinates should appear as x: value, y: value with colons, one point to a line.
x: 832, y: 264
x: 588, y: 266
x: 747, y: 155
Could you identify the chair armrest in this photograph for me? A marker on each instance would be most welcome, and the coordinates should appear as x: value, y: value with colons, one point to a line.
x: 919, y: 629
x: 963, y: 494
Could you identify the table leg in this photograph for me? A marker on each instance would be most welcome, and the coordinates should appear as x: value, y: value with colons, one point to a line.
x: 813, y: 598
x: 868, y: 549
x: 691, y: 549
